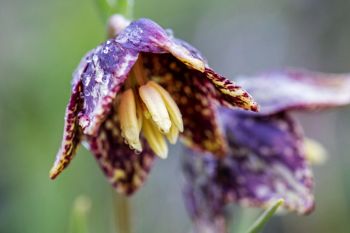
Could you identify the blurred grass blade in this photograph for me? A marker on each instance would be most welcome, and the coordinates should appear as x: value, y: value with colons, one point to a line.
x: 266, y: 215
x: 107, y: 8
x: 78, y: 222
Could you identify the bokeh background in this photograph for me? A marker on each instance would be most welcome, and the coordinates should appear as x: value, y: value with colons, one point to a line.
x: 42, y: 41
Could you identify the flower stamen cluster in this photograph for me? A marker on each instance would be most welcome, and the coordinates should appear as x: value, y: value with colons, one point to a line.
x: 146, y: 107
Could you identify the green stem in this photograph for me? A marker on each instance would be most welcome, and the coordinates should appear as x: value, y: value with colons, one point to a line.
x: 107, y: 8
x: 126, y: 8
x: 79, y: 216
x: 122, y: 215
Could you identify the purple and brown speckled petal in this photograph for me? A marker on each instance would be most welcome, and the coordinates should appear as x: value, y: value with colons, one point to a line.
x: 229, y: 94
x: 192, y: 50
x: 203, y: 200
x: 226, y: 92
x: 124, y: 169
x: 266, y: 162
x: 192, y: 94
x: 297, y: 90
x: 144, y: 35
x: 105, y: 71
x: 71, y: 135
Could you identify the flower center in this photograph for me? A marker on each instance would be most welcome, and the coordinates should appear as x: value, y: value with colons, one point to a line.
x: 146, y: 107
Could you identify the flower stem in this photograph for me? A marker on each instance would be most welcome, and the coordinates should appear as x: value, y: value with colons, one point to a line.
x: 126, y: 8
x: 107, y: 8
x: 123, y: 213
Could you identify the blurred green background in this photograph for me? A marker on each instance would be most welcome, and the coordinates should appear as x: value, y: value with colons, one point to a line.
x: 41, y: 42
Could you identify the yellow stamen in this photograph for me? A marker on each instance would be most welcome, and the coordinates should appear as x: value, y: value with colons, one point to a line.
x: 173, y: 134
x: 314, y: 151
x: 129, y: 120
x: 155, y: 139
x: 156, y: 107
x: 139, y: 112
x: 173, y: 109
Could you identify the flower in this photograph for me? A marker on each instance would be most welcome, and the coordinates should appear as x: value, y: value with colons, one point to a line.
x: 269, y: 157
x: 137, y: 88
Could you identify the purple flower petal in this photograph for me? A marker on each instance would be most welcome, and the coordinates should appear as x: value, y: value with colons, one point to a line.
x: 204, y: 201
x: 298, y: 89
x: 71, y: 134
x: 124, y: 169
x: 268, y: 159
x: 229, y: 94
x: 266, y: 163
x: 105, y: 71
x: 144, y: 35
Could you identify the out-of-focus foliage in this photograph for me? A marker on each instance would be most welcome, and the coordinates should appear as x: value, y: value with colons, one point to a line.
x: 79, y: 215
x: 264, y: 218
x: 41, y: 42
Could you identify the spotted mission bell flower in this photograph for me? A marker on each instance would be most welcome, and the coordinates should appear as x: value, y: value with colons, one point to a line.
x: 136, y: 90
x: 269, y: 157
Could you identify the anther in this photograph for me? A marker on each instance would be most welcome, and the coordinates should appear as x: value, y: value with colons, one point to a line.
x: 173, y: 109
x: 130, y: 120
x: 155, y: 139
x: 156, y: 107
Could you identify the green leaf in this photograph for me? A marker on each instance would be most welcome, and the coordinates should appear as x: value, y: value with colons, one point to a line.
x: 266, y: 215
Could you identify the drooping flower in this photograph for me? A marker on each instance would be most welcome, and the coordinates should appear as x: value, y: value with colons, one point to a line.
x: 269, y: 157
x: 136, y: 89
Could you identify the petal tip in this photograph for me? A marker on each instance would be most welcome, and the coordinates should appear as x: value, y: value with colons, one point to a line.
x: 54, y: 172
x: 255, y: 107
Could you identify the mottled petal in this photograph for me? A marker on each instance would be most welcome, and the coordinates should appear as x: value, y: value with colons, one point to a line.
x: 188, y: 57
x: 229, y: 94
x: 105, y: 71
x: 124, y: 169
x: 71, y: 134
x: 193, y: 51
x: 144, y: 35
x: 190, y: 92
x: 297, y: 89
x: 225, y: 91
x: 203, y: 200
x: 266, y: 162
x: 201, y: 128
